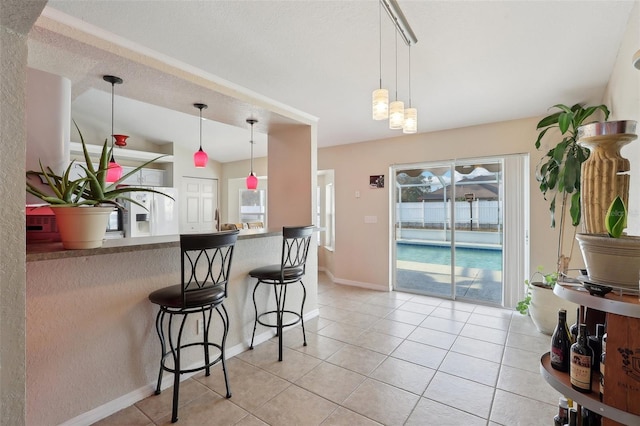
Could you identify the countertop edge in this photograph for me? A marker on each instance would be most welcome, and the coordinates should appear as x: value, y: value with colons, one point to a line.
x: 52, y: 251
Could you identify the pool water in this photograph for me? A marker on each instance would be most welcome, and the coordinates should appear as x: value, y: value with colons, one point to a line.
x: 441, y: 255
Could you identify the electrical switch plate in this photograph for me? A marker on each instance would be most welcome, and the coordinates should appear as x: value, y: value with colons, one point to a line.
x: 357, y: 194
x: 199, y: 326
x: 371, y: 219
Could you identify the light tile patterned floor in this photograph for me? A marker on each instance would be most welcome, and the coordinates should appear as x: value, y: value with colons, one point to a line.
x: 376, y: 358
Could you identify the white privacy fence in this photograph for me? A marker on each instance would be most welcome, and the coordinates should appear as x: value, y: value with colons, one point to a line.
x: 484, y: 213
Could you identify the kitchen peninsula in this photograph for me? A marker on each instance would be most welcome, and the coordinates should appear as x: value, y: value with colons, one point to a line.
x: 92, y: 347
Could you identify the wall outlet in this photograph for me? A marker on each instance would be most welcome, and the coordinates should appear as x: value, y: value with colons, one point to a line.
x: 199, y: 326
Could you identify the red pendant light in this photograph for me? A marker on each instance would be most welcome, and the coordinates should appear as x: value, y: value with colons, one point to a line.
x: 114, y: 170
x: 200, y: 158
x: 252, y: 180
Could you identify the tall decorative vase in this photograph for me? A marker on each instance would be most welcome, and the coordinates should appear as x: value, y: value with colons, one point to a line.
x: 605, y: 172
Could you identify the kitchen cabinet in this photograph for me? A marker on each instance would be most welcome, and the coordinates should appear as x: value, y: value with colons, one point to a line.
x: 622, y: 369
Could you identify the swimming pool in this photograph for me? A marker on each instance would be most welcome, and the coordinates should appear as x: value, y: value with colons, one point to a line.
x: 481, y: 258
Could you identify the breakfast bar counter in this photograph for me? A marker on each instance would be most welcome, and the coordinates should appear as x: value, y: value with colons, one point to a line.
x: 92, y: 347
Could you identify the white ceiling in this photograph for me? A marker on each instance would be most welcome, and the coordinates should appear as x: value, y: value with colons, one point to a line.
x: 475, y: 61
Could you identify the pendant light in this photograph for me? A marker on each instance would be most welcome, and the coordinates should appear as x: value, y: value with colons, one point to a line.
x: 114, y: 170
x: 410, y: 124
x: 200, y: 158
x: 380, y: 97
x: 252, y: 180
x: 396, y: 108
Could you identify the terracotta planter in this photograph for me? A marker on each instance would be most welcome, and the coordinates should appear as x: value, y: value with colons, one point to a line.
x: 611, y: 261
x: 544, y: 308
x: 82, y: 227
x: 605, y: 172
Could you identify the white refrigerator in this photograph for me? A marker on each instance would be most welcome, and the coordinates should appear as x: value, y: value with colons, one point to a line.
x: 159, y: 218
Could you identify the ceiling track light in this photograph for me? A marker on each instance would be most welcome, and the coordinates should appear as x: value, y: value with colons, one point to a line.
x: 400, y: 21
x: 396, y: 108
x: 380, y: 96
x: 114, y: 170
x: 252, y: 180
x: 410, y: 123
x: 200, y: 158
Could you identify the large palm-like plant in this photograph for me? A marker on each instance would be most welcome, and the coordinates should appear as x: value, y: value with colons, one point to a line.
x: 559, y: 170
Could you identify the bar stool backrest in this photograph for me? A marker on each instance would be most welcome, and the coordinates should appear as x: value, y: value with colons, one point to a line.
x: 295, y: 248
x: 206, y: 261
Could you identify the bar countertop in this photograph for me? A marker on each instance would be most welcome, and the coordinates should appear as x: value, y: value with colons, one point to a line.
x: 52, y: 251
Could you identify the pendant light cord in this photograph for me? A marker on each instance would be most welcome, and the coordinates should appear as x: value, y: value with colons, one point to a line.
x: 113, y: 160
x: 200, y: 128
x: 396, y: 65
x: 380, y: 43
x: 409, y: 76
x: 251, y: 141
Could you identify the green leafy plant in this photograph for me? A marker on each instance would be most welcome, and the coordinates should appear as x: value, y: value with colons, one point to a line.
x: 549, y: 280
x: 558, y: 172
x: 616, y: 218
x: 90, y: 190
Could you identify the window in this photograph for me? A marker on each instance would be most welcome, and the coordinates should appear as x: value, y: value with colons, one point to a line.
x: 253, y: 206
x: 329, y: 216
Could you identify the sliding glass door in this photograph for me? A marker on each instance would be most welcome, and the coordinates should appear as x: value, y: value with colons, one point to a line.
x: 448, y: 229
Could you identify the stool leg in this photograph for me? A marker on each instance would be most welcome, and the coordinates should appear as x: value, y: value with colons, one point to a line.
x: 281, y: 295
x: 225, y: 323
x: 304, y: 297
x: 159, y: 320
x: 255, y: 308
x: 176, y: 372
x: 206, y: 324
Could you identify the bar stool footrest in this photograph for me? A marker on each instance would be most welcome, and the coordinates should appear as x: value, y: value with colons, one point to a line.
x: 194, y: 369
x: 296, y: 320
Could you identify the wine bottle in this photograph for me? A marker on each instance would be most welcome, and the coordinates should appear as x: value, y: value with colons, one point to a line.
x: 581, y: 356
x: 595, y: 343
x: 573, y: 417
x: 590, y: 418
x: 562, y: 417
x: 573, y: 330
x: 602, y: 362
x: 561, y: 343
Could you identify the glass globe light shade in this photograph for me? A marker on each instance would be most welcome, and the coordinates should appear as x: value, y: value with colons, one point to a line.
x: 410, y: 124
x: 252, y: 181
x: 396, y: 115
x: 200, y: 158
x: 380, y: 104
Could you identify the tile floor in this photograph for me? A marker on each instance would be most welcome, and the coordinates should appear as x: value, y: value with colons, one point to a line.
x: 376, y: 358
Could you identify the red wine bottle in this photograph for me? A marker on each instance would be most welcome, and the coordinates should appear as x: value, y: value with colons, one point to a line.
x: 602, y: 362
x: 573, y: 330
x: 561, y: 343
x: 581, y: 356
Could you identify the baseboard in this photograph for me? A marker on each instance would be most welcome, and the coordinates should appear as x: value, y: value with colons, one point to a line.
x: 139, y: 394
x: 352, y: 283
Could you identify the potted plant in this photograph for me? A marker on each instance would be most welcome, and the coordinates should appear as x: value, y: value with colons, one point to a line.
x: 612, y: 259
x: 82, y: 206
x: 541, y: 303
x: 559, y: 171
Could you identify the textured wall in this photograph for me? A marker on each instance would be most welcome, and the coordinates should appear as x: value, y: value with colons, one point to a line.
x: 16, y: 18
x: 90, y: 330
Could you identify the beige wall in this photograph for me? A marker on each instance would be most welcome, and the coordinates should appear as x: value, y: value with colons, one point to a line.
x: 361, y: 254
x: 16, y: 19
x: 623, y: 96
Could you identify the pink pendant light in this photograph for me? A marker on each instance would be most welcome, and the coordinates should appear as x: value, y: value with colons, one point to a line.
x: 252, y: 180
x: 200, y: 158
x: 114, y: 170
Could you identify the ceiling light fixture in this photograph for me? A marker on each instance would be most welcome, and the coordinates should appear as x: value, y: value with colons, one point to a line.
x: 252, y: 180
x: 396, y: 109
x: 200, y: 158
x: 410, y: 124
x: 380, y: 97
x: 114, y: 170
x: 400, y: 21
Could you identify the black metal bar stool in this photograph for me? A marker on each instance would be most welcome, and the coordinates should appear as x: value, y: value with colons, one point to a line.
x: 295, y: 247
x: 205, y: 265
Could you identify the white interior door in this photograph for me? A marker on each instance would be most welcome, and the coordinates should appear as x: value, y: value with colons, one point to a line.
x: 198, y: 204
